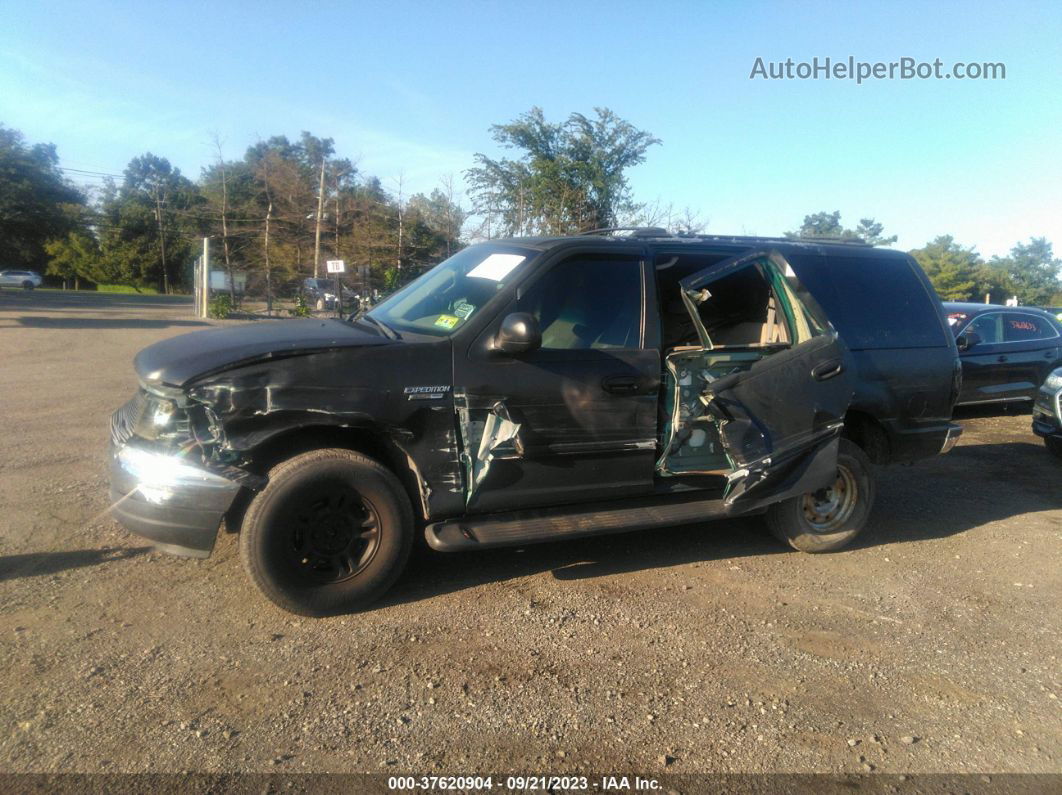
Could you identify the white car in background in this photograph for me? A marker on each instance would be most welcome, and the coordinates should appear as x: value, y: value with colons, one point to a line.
x: 27, y: 280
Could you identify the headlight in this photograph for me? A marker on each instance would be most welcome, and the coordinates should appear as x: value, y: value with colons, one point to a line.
x: 1053, y: 383
x: 159, y: 471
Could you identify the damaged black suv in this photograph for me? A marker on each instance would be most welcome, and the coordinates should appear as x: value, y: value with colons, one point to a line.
x: 537, y: 389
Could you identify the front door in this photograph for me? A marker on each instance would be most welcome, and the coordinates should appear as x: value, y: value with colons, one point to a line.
x: 772, y: 376
x: 575, y: 420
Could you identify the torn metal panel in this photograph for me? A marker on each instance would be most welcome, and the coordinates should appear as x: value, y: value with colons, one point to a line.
x: 772, y: 399
x: 497, y: 435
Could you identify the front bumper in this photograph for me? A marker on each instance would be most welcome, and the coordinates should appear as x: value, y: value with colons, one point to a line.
x: 1047, y: 414
x: 167, y: 500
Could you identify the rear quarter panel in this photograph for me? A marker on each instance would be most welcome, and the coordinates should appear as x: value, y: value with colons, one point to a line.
x: 888, y: 314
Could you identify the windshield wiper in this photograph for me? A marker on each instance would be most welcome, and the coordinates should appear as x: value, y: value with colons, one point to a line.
x: 388, y: 332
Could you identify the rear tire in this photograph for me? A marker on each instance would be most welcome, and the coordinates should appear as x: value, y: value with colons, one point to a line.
x: 27, y: 285
x: 330, y: 533
x: 1054, y: 445
x: 831, y: 517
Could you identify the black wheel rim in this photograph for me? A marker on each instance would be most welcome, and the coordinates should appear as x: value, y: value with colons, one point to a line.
x: 332, y: 534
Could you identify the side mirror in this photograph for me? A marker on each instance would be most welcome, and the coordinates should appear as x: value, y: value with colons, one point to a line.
x: 968, y: 340
x: 519, y: 333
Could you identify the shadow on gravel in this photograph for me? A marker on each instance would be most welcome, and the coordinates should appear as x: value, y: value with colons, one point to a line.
x: 48, y: 299
x: 973, y: 485
x: 34, y: 564
x: 97, y: 322
x: 431, y: 574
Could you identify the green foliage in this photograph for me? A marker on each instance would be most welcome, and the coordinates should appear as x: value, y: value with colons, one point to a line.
x: 1033, y: 271
x: 148, y: 227
x: 301, y: 308
x: 570, y: 176
x: 37, y: 203
x: 959, y: 274
x: 220, y: 306
x: 74, y: 257
x: 951, y: 268
x: 828, y: 225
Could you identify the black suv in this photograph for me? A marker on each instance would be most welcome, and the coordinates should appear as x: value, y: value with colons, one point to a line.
x: 537, y: 389
x: 1006, y: 351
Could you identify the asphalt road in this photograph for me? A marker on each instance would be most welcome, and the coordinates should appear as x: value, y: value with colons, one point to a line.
x: 932, y: 645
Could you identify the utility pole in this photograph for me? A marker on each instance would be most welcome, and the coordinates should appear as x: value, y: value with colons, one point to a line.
x: 268, y: 272
x: 204, y: 287
x: 320, y: 212
x: 162, y: 241
x: 400, y: 229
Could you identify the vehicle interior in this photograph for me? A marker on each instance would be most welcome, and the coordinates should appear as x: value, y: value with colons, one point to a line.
x: 745, y: 320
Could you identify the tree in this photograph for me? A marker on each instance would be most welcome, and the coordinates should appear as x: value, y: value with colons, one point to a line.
x: 1032, y: 269
x: 824, y: 224
x: 951, y: 268
x: 35, y: 200
x: 871, y: 232
x: 74, y: 257
x: 570, y: 176
x: 148, y: 223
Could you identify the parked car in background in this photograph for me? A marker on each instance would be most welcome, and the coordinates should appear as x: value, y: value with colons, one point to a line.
x: 1047, y: 412
x: 1006, y: 351
x: 321, y: 293
x: 539, y: 389
x: 27, y: 280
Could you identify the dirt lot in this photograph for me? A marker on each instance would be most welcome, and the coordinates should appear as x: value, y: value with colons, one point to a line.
x: 933, y: 645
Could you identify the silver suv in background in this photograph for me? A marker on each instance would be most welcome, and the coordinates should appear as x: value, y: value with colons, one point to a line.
x: 27, y: 280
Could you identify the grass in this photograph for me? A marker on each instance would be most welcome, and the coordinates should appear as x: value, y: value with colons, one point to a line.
x: 125, y: 289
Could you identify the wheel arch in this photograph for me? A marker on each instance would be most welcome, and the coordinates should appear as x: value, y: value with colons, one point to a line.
x: 369, y: 441
x: 864, y: 430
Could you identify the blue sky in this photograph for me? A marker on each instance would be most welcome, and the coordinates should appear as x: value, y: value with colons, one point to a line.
x: 412, y: 88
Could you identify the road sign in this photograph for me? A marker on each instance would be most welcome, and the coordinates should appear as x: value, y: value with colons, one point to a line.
x: 336, y: 266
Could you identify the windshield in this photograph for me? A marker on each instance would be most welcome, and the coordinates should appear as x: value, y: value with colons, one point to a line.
x: 443, y: 299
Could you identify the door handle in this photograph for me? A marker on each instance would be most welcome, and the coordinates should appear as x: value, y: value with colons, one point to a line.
x: 1001, y: 359
x: 620, y: 384
x: 827, y: 370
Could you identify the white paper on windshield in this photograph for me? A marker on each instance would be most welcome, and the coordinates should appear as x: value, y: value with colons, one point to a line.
x: 496, y: 267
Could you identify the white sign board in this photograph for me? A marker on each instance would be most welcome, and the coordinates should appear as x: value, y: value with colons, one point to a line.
x: 336, y: 266
x: 219, y: 281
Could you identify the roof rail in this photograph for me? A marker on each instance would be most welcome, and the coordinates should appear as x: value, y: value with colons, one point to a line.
x: 657, y: 232
x: 636, y: 231
x: 852, y: 241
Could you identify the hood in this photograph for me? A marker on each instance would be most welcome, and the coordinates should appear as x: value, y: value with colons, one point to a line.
x: 179, y: 360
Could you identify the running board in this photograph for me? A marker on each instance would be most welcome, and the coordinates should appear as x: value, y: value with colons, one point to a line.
x: 570, y: 521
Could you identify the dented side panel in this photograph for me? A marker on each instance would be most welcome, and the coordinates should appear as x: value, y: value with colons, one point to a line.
x: 400, y: 394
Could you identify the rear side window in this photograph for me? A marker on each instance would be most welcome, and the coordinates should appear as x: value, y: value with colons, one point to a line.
x: 1027, y: 328
x: 873, y: 301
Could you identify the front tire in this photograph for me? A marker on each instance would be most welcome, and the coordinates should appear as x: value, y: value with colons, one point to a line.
x: 330, y: 533
x: 831, y: 517
x: 1054, y: 445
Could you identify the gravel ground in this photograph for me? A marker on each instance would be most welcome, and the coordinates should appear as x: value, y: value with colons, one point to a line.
x: 931, y: 646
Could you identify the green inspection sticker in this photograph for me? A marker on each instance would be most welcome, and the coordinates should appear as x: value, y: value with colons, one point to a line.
x: 447, y: 321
